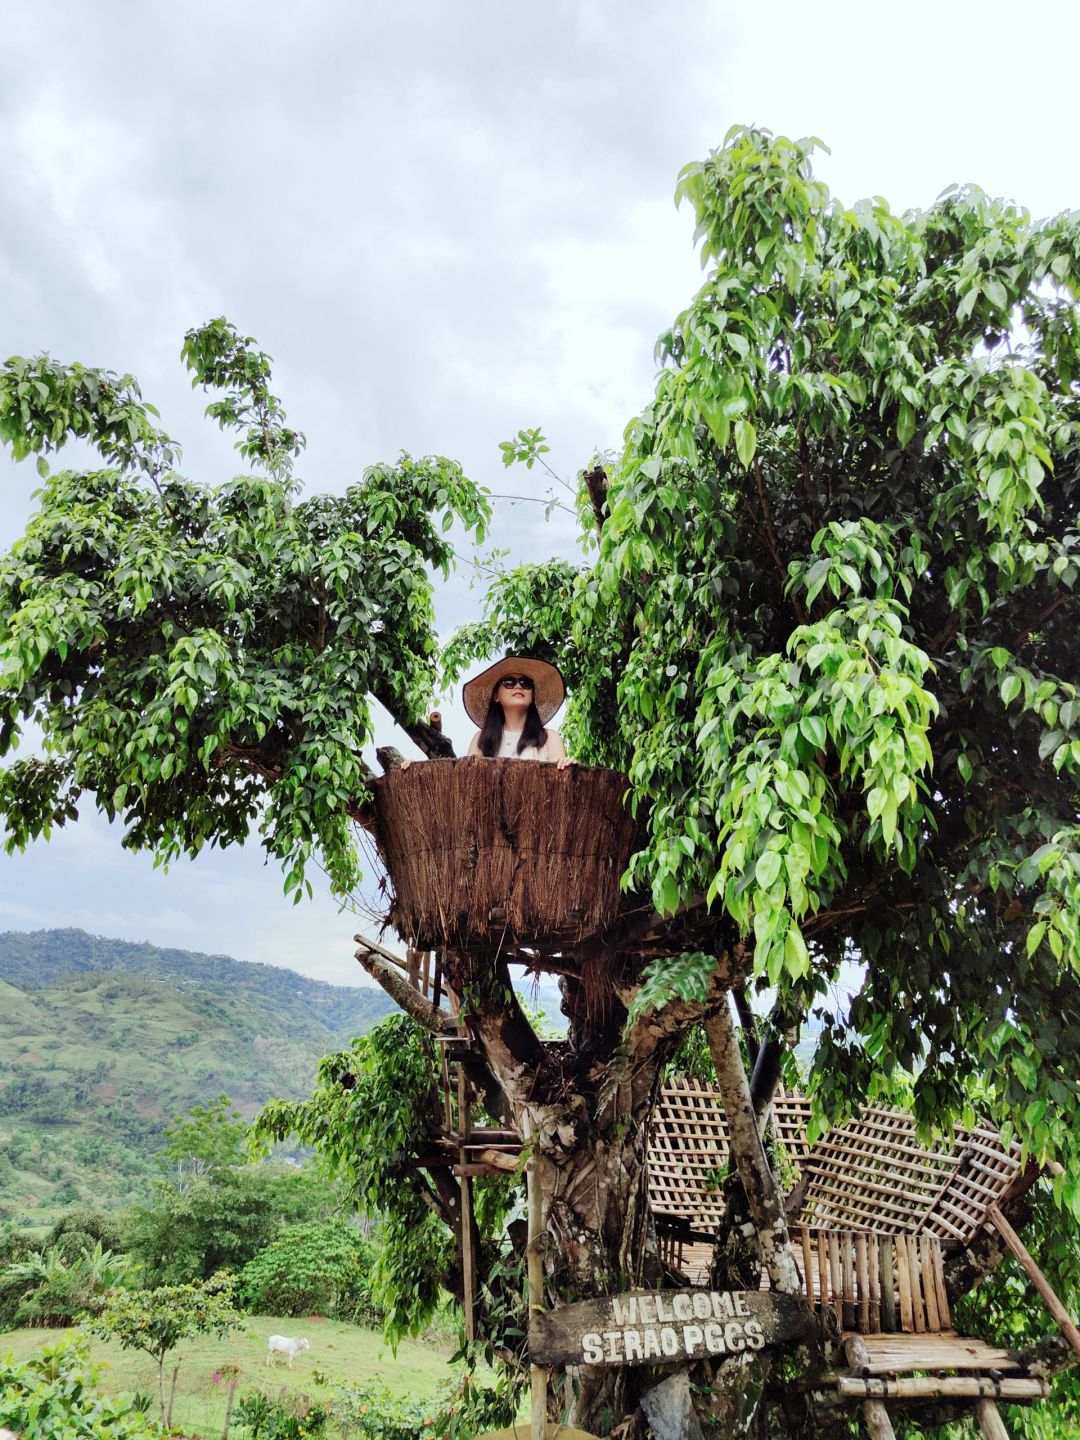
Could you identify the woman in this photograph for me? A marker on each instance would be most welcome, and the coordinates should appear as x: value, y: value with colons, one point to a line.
x: 511, y: 703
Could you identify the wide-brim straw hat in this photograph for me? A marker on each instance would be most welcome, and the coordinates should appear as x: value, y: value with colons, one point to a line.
x: 549, y: 692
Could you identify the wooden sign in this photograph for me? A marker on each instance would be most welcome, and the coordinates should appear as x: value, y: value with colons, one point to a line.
x: 650, y: 1327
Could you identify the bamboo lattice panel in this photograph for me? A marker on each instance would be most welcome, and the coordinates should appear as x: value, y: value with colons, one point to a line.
x: 872, y: 1174
x: 688, y: 1150
x: 875, y: 1174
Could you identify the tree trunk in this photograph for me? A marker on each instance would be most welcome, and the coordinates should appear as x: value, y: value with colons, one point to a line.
x: 763, y: 1194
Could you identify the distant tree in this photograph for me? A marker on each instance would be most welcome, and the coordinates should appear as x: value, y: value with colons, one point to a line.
x: 319, y: 1267
x: 77, y: 1232
x: 211, y: 1224
x: 155, y: 1321
x: 208, y: 1140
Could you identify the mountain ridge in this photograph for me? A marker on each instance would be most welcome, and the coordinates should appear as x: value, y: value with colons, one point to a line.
x: 103, y: 1042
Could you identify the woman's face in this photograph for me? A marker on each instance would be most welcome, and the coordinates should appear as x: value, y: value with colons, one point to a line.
x: 514, y: 693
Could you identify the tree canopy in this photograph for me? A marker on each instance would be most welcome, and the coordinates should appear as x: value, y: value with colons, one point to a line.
x: 825, y: 619
x: 200, y: 658
x: 830, y: 629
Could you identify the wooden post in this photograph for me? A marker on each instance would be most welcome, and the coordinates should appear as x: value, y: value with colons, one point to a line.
x: 876, y: 1417
x: 465, y: 1216
x: 534, y: 1260
x: 990, y: 1421
x: 1035, y: 1275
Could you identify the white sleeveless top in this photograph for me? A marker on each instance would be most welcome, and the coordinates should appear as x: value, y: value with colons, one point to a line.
x: 509, y: 751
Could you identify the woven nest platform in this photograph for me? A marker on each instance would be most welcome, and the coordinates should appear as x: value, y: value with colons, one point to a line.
x: 504, y: 854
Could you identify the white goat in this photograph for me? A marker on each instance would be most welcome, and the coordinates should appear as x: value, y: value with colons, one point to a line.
x: 282, y: 1345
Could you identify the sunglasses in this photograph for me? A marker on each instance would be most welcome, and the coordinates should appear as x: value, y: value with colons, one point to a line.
x: 512, y: 682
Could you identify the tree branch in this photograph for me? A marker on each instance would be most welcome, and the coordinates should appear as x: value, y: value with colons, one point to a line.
x: 401, y: 992
x: 434, y: 744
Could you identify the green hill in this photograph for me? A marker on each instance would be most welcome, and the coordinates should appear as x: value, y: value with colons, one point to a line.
x: 103, y: 1042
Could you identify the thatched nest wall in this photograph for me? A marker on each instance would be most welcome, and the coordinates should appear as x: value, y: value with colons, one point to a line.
x: 503, y: 853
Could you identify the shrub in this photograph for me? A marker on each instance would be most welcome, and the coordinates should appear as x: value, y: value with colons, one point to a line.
x: 76, y: 1233
x: 319, y: 1267
x: 459, y: 1412
x: 45, y: 1289
x: 52, y: 1396
x: 265, y: 1419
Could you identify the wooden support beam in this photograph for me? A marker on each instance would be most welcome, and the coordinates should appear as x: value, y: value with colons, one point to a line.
x: 1035, y: 1275
x: 398, y: 988
x: 990, y: 1421
x: 947, y: 1387
x: 875, y: 1416
x: 534, y: 1263
x: 468, y: 1252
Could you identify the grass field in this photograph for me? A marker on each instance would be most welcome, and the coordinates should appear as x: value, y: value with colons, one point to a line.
x: 339, y: 1354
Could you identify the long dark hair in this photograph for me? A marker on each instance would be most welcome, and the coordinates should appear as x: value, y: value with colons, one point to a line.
x: 532, y: 732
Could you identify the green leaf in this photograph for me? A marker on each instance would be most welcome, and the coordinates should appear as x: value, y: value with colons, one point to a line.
x: 767, y: 869
x: 1010, y: 688
x: 745, y: 442
x: 813, y: 728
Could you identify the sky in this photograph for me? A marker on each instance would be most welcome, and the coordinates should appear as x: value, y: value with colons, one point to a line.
x: 445, y: 222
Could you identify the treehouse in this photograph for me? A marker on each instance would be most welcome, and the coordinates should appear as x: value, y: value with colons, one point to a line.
x: 500, y: 857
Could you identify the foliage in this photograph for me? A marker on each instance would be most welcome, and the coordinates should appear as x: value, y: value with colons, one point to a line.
x: 155, y: 1321
x: 212, y: 1137
x: 1006, y: 1310
x: 266, y: 1420
x: 78, y: 1231
x: 52, y: 1396
x: 831, y: 631
x: 198, y: 658
x: 47, y: 1289
x: 372, y: 1412
x: 210, y: 1224
x: 319, y: 1267
x: 368, y: 1118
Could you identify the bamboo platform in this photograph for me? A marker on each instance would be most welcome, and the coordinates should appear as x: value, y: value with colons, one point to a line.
x: 946, y: 1350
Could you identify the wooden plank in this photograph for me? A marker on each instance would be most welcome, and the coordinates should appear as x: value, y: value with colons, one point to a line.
x: 647, y: 1327
x: 1037, y: 1278
x: 823, y: 1271
x: 990, y: 1421
x: 948, y: 1387
x: 875, y: 1284
x: 926, y: 1245
x: 944, y: 1313
x: 862, y: 1278
x: 958, y: 1355
x: 836, y: 1275
x: 887, y: 1257
x: 847, y: 1260
x: 903, y: 1284
x: 534, y: 1286
x: 465, y: 1212
x: 918, y: 1305
x: 808, y: 1264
